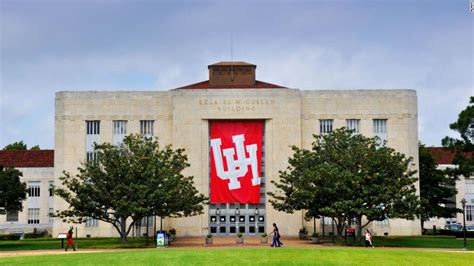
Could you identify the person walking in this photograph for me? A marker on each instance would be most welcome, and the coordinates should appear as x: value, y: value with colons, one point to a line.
x: 368, y: 239
x: 69, y: 239
x: 276, y: 237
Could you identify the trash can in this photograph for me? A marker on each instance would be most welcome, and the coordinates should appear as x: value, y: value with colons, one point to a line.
x: 161, y: 239
x: 350, y: 232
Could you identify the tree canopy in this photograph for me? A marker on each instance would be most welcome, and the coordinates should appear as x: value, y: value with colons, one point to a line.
x: 347, y: 176
x: 12, y: 190
x: 436, y: 188
x: 463, y: 147
x: 129, y: 182
x: 19, y: 145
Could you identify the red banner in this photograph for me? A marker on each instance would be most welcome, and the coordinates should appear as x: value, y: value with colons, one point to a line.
x: 236, y: 157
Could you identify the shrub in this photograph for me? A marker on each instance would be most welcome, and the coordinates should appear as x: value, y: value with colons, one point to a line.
x: 457, y: 234
x: 209, y: 235
x: 39, y: 234
x: 303, y: 231
x: 445, y: 232
x: 263, y: 234
x: 315, y: 234
x: 10, y: 237
x: 460, y: 234
x: 172, y: 231
x: 239, y: 235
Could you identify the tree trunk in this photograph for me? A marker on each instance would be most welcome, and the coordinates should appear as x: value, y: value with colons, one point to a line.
x: 340, y: 226
x: 123, y: 230
x: 422, y: 222
x: 323, y: 225
x: 358, y: 228
x: 314, y: 224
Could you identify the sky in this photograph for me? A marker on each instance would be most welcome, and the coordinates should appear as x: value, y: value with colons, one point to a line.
x: 49, y: 46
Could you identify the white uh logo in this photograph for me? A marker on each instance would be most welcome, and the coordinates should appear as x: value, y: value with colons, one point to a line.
x: 236, y: 168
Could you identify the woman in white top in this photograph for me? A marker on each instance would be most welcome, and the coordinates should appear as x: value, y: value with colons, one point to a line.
x: 368, y: 239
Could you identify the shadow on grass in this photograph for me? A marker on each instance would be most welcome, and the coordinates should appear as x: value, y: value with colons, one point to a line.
x: 450, y: 242
x: 90, y: 243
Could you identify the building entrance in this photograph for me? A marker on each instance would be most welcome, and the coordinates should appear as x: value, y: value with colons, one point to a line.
x: 232, y: 218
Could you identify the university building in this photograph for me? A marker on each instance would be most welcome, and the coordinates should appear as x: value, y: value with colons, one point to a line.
x: 464, y: 187
x: 230, y: 114
x: 37, y: 168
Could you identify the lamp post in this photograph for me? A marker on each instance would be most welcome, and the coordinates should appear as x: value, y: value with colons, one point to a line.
x: 463, y: 202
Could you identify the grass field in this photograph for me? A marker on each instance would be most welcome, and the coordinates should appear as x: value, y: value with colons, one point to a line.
x: 425, y: 242
x: 247, y: 256
x: 50, y: 243
x: 420, y: 242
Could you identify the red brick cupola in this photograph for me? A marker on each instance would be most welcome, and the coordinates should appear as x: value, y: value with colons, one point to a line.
x: 232, y: 74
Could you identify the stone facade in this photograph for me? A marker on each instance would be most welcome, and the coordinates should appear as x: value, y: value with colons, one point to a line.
x: 465, y: 190
x: 44, y: 177
x: 182, y: 119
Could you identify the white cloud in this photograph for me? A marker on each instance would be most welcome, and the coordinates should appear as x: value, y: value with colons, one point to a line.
x: 103, y: 46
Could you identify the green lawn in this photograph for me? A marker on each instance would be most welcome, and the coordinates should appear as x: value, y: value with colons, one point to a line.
x: 247, y: 256
x: 413, y: 242
x: 418, y: 242
x: 50, y: 243
x: 424, y: 242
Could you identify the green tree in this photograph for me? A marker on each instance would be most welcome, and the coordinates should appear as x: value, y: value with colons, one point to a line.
x: 463, y: 147
x: 347, y: 176
x: 12, y: 190
x: 129, y: 182
x: 436, y: 188
x: 19, y: 146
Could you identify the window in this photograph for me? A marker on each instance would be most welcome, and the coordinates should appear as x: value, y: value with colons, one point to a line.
x: 91, y: 222
x: 146, y: 128
x: 385, y: 222
x: 92, y: 136
x: 119, y: 131
x: 51, y: 202
x: 380, y: 129
x: 12, y: 217
x: 327, y: 220
x: 93, y: 127
x: 143, y: 221
x: 353, y: 124
x: 469, y: 213
x: 33, y: 189
x: 51, y: 189
x: 33, y: 215
x: 50, y: 215
x: 352, y: 221
x: 470, y: 128
x: 325, y: 126
x: 92, y: 156
x: 469, y: 186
